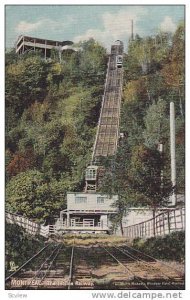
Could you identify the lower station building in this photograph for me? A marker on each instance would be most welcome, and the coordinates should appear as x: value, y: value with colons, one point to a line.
x: 87, y: 212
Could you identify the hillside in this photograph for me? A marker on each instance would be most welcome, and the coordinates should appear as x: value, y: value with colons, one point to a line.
x: 52, y: 111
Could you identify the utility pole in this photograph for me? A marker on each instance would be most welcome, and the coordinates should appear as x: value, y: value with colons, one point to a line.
x: 172, y: 152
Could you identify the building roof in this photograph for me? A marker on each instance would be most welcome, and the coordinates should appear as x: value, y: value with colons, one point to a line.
x: 62, y: 43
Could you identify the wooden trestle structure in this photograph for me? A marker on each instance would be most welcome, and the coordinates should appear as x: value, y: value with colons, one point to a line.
x: 108, y: 126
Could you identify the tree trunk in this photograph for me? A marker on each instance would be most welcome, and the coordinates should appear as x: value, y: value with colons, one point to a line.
x: 121, y: 227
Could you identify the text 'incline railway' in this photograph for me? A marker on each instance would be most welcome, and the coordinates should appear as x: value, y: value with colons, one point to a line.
x: 108, y: 127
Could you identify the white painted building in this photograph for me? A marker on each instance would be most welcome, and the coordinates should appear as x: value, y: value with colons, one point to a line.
x: 27, y: 43
x: 87, y: 212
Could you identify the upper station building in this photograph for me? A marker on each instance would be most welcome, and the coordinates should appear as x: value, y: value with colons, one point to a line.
x: 27, y: 43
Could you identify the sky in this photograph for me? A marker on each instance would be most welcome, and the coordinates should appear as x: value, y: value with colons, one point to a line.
x: 104, y: 23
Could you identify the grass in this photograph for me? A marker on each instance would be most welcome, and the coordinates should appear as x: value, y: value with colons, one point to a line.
x: 92, y: 240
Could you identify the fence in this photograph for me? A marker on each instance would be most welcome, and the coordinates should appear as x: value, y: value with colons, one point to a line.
x: 30, y: 226
x: 164, y: 223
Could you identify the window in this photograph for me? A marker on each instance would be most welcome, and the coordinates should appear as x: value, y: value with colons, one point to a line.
x: 80, y: 200
x: 100, y: 200
x: 91, y: 174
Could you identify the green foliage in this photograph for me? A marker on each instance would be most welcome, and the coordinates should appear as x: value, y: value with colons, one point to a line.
x: 147, y: 55
x: 174, y: 71
x: 19, y: 246
x: 86, y: 66
x: 169, y: 247
x: 139, y: 173
x: 156, y: 124
x: 145, y: 177
x: 34, y: 195
x: 52, y: 109
x: 25, y: 82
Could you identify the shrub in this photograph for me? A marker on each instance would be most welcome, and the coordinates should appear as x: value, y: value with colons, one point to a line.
x: 170, y: 247
x: 20, y: 246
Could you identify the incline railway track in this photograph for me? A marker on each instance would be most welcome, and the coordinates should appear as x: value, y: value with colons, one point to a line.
x: 49, y: 270
x: 29, y: 261
x: 82, y: 270
x: 147, y: 271
x: 61, y: 266
x: 108, y: 127
x: 140, y: 256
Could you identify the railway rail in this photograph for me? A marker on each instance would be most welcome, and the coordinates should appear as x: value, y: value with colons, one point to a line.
x: 147, y: 270
x: 82, y: 270
x: 59, y: 266
x: 140, y: 254
x: 7, y: 279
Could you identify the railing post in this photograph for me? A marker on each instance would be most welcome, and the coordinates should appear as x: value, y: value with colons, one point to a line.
x: 157, y: 225
x: 154, y: 225
x: 181, y: 217
x: 163, y: 218
x: 183, y: 211
x: 160, y: 225
x: 149, y: 232
x: 145, y: 229
x: 175, y: 220
x: 168, y: 215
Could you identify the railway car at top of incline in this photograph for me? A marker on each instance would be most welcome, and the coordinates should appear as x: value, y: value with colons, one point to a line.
x: 119, y: 61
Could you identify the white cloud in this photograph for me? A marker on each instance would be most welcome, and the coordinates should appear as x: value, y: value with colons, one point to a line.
x: 25, y: 27
x: 115, y: 26
x: 168, y: 24
x: 49, y: 24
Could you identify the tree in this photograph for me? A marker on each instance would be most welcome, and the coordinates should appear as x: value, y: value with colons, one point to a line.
x: 26, y: 81
x: 147, y: 55
x: 156, y: 124
x: 174, y: 71
x: 34, y: 195
x: 116, y: 182
x: 146, y: 178
x: 21, y: 162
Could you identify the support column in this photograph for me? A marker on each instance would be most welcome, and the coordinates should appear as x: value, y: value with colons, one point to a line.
x: 45, y: 49
x: 23, y: 46
x: 60, y: 53
x: 104, y: 221
x: 68, y: 219
x: 172, y: 151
